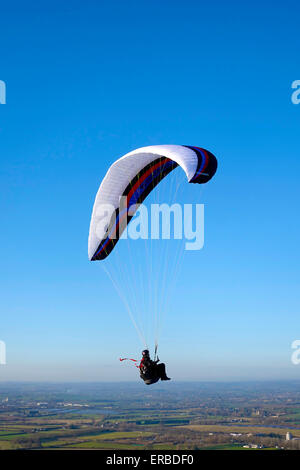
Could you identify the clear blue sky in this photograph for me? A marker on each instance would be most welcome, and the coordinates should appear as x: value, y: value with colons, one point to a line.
x: 86, y: 83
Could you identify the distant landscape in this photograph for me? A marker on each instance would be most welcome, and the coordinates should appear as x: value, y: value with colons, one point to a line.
x: 171, y: 416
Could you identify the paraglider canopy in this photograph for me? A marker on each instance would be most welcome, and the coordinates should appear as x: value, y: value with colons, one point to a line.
x: 132, y: 178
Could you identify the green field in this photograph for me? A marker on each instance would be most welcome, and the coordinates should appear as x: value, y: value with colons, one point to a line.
x: 241, y: 429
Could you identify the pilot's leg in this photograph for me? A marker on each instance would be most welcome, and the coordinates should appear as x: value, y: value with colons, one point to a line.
x: 161, y: 371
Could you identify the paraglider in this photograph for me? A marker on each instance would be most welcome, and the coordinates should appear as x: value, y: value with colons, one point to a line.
x: 151, y: 371
x: 127, y: 183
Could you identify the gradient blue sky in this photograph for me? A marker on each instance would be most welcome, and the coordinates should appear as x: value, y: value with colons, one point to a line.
x: 86, y: 83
